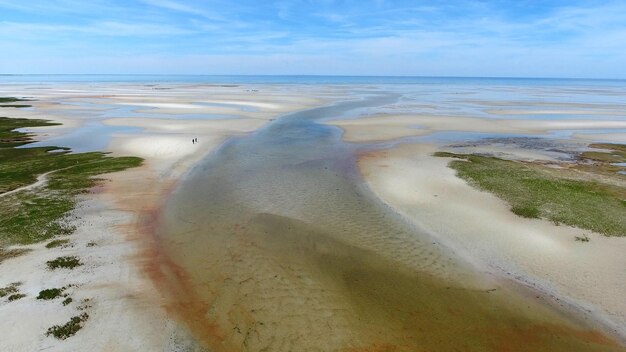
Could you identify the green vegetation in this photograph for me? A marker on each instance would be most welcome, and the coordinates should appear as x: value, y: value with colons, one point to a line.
x: 617, y: 153
x: 10, y: 100
x: 604, y: 162
x: 28, y: 216
x: 12, y: 288
x: 4, y: 100
x: 15, y: 106
x: 57, y: 243
x: 12, y: 253
x: 526, y: 211
x: 16, y: 296
x: 583, y: 200
x: 67, y: 262
x: 51, y: 293
x: 67, y: 301
x: 11, y: 138
x: 12, y: 291
x: 68, y: 329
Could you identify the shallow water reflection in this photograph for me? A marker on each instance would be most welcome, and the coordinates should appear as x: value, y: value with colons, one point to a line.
x: 279, y: 245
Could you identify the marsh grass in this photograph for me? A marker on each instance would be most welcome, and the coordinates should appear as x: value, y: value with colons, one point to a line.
x: 5, y: 100
x: 66, y: 262
x: 15, y: 106
x: 12, y: 253
x: 51, y: 293
x: 526, y: 211
x: 39, y: 214
x: 68, y: 329
x: 616, y: 154
x: 10, y: 289
x: 11, y: 100
x: 15, y: 297
x: 604, y: 162
x: 57, y: 243
x: 536, y: 191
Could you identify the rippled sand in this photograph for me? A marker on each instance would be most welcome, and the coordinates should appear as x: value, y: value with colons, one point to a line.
x: 274, y: 243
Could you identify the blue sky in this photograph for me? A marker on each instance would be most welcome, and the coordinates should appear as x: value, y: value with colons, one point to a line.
x: 528, y: 38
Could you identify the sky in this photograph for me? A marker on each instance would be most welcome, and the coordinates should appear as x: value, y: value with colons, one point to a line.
x: 497, y: 38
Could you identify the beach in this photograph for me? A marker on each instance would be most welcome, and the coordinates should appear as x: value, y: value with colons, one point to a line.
x: 317, y: 217
x: 116, y: 280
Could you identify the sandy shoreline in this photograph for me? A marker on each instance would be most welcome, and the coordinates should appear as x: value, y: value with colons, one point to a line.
x: 117, y: 280
x: 125, y: 284
x: 588, y: 279
x: 535, y: 252
x: 390, y: 127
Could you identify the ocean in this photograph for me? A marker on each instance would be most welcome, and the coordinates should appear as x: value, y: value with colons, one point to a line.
x: 301, y: 79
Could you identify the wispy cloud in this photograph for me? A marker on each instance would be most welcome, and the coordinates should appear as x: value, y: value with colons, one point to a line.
x: 459, y: 37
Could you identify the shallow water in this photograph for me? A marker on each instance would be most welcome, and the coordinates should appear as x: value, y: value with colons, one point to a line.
x: 277, y: 244
x: 92, y: 136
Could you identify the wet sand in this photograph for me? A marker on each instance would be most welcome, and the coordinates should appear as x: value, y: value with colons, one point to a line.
x: 126, y: 310
x: 269, y: 235
x: 390, y: 127
x: 587, y: 278
x: 275, y: 242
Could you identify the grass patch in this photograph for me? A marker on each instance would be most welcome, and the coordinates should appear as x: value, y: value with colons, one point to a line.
x: 68, y: 329
x: 604, y: 162
x: 12, y: 253
x: 526, y: 211
x: 33, y: 216
x: 617, y: 153
x: 584, y: 238
x: 67, y: 262
x: 11, y: 100
x: 51, y: 293
x: 67, y: 301
x: 15, y: 297
x: 57, y: 243
x: 15, y: 106
x: 10, y: 289
x: 536, y: 191
x: 11, y: 138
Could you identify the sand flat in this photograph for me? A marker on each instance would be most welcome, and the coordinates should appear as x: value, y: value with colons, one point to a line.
x: 118, y: 274
x: 285, y: 248
x: 536, y: 252
x: 390, y: 127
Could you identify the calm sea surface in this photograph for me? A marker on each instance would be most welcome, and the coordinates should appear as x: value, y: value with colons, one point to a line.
x: 231, y: 79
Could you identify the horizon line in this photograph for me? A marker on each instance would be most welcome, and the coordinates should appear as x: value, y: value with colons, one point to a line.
x: 307, y: 75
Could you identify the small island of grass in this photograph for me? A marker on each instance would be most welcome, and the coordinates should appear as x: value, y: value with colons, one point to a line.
x: 588, y: 195
x: 5, y: 100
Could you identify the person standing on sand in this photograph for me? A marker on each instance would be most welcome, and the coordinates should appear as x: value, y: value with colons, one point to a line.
x: 193, y: 141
